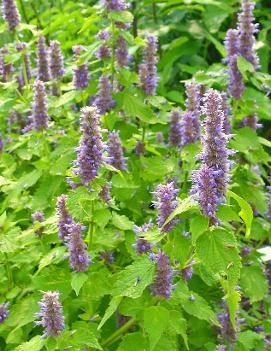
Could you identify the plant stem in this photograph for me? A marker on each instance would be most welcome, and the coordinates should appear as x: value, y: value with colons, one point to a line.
x: 23, y: 11
x: 9, y: 272
x: 115, y: 336
x: 37, y: 15
x: 154, y: 12
x: 91, y: 228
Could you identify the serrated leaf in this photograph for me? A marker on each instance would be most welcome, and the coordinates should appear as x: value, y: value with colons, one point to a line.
x: 244, y: 66
x: 179, y: 325
x: 54, y: 256
x: 121, y: 16
x: 246, y: 212
x: 65, y: 98
x: 133, y: 341
x: 78, y: 280
x: 249, y: 339
x: 114, y: 304
x: 35, y: 344
x: 184, y: 206
x: 134, y: 279
x: 122, y: 222
x: 198, y: 226
x: 155, y: 323
x: 251, y: 277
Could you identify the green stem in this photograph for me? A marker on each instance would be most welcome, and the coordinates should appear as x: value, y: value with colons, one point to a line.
x: 37, y: 15
x: 23, y: 11
x: 115, y: 336
x: 91, y: 228
x: 9, y: 272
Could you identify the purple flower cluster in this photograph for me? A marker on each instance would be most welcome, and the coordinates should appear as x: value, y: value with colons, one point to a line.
x: 11, y: 14
x: 247, y: 29
x: 250, y: 122
x: 221, y: 348
x: 104, y: 100
x: 38, y: 216
x: 190, y: 128
x: 107, y: 257
x: 236, y: 84
x: 1, y: 144
x: 187, y: 272
x: 166, y: 202
x: 122, y: 55
x: 175, y: 131
x: 115, y: 5
x: 5, y: 68
x: 39, y: 107
x: 210, y: 182
x: 64, y: 218
x: 90, y: 151
x: 227, y: 331
x: 162, y: 285
x: 105, y: 193
x: 56, y: 62
x: 227, y: 112
x: 26, y: 62
x: 148, y: 70
x: 139, y: 148
x: 80, y: 72
x: 104, y: 50
x: 78, y: 255
x: 3, y: 312
x: 51, y: 314
x: 142, y: 245
x: 193, y: 101
x: 43, y: 60
x: 115, y: 151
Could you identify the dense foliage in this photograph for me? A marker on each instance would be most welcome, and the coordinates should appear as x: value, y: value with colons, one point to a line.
x: 135, y: 175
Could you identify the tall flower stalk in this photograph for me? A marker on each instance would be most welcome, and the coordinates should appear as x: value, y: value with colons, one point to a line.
x: 80, y: 71
x: 43, y: 60
x: 39, y: 107
x: 11, y: 14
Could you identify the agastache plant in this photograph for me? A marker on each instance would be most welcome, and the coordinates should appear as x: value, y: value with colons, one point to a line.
x: 104, y: 50
x: 104, y: 100
x: 38, y: 217
x: 64, y: 218
x: 80, y: 71
x: 148, y: 70
x: 11, y: 14
x: 105, y: 193
x: 247, y: 30
x: 166, y: 202
x: 90, y: 150
x: 115, y: 151
x: 190, y: 128
x: 51, y: 314
x: 78, y: 254
x: 162, y: 286
x: 236, y: 83
x: 175, y: 131
x: 39, y: 107
x: 115, y: 5
x: 193, y: 100
x: 251, y: 121
x: 122, y: 55
x: 4, y: 312
x: 56, y: 64
x: 43, y: 60
x: 5, y: 68
x: 142, y: 245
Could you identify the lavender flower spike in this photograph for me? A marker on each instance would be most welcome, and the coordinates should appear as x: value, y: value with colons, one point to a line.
x: 43, y: 60
x: 162, y: 285
x: 193, y: 101
x: 78, y: 255
x: 56, y: 62
x: 122, y: 55
x: 166, y: 203
x: 115, y: 5
x: 5, y: 68
x: 90, y: 151
x: 190, y: 128
x: 64, y: 218
x: 105, y: 194
x: 11, y: 14
x: 251, y: 122
x: 215, y: 152
x: 142, y: 245
x: 80, y: 72
x: 38, y: 217
x: 3, y: 312
x: 247, y: 29
x: 236, y: 83
x: 39, y: 107
x: 175, y: 131
x: 115, y: 152
x: 104, y: 100
x: 148, y: 70
x: 51, y: 314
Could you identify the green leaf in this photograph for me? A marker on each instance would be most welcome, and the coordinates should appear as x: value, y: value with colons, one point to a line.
x: 179, y: 325
x: 249, y: 339
x: 133, y: 341
x: 78, y: 280
x: 251, y: 277
x: 198, y: 225
x: 155, y: 323
x: 246, y: 212
x: 217, y: 251
x: 114, y: 304
x: 65, y: 98
x: 35, y: 344
x: 184, y: 206
x: 121, y: 16
x: 134, y: 279
x: 122, y: 222
x: 244, y: 66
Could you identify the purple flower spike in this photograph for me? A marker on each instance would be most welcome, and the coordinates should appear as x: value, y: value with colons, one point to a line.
x: 193, y: 101
x: 227, y: 331
x: 122, y: 55
x: 38, y: 216
x: 227, y: 111
x: 107, y: 257
x: 187, y: 273
x: 90, y: 151
x: 162, y: 285
x: 232, y: 43
x: 103, y: 52
x: 175, y: 131
x: 251, y: 122
x: 166, y: 203
x: 51, y: 314
x: 247, y: 29
x: 215, y: 152
x: 105, y: 194
x: 142, y: 245
x: 1, y: 144
x: 11, y: 14
x: 104, y: 100
x: 148, y: 70
x: 43, y: 60
x: 221, y: 348
x: 115, y: 151
x: 103, y: 35
x: 78, y: 255
x: 115, y: 5
x: 4, y: 312
x: 80, y: 72
x: 39, y: 107
x: 64, y: 218
x: 5, y: 68
x: 56, y: 60
x: 190, y: 128
x: 139, y: 148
